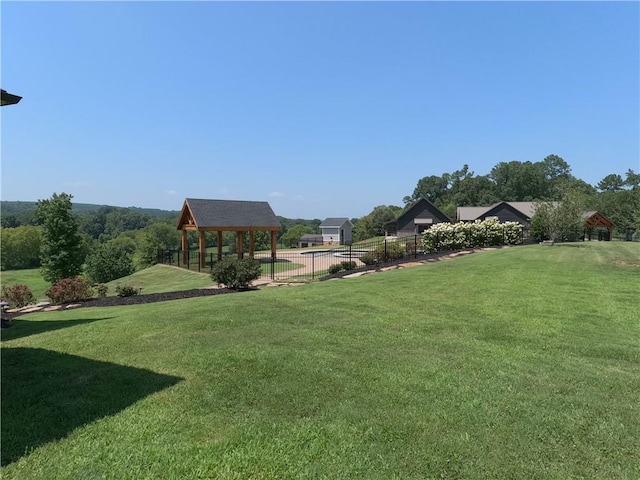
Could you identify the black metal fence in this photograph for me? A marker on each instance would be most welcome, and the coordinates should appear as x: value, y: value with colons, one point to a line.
x: 309, y: 263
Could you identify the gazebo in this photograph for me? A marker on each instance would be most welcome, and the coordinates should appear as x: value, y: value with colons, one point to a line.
x: 595, y: 219
x: 226, y: 215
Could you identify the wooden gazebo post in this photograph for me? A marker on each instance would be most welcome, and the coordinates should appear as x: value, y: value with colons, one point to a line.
x: 185, y: 247
x: 274, y: 243
x: 240, y: 238
x: 219, y: 245
x: 202, y: 249
x: 252, y: 240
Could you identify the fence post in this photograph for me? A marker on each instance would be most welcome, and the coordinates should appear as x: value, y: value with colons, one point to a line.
x: 415, y: 246
x: 313, y: 265
x: 385, y: 250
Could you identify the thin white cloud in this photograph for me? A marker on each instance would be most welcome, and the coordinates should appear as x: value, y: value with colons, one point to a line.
x: 276, y: 194
x: 171, y: 192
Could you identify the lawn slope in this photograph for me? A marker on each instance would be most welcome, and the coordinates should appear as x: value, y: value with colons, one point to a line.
x: 515, y: 363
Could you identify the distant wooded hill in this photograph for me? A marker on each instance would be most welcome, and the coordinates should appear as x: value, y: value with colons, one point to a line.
x: 21, y: 208
x: 16, y: 213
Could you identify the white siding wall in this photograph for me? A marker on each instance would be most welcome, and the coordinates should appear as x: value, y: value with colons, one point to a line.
x: 330, y: 235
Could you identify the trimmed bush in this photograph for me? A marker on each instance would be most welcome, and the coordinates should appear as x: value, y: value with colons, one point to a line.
x: 101, y: 289
x: 236, y: 274
x: 70, y: 290
x: 126, y: 291
x: 388, y: 252
x: 18, y: 295
x: 368, y: 259
x: 335, y: 268
x: 348, y: 265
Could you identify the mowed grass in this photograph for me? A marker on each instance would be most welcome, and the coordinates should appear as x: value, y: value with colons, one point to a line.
x: 514, y: 363
x: 163, y: 278
x: 155, y: 279
x: 29, y: 277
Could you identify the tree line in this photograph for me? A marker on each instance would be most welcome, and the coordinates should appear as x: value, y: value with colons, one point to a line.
x: 124, y: 239
x: 550, y: 179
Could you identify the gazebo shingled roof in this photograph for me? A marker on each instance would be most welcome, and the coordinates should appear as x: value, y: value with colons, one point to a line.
x: 238, y: 216
x: 228, y: 215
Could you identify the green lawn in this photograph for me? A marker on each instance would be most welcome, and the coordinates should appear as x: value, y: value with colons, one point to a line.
x: 514, y: 363
x: 31, y: 277
x: 163, y: 278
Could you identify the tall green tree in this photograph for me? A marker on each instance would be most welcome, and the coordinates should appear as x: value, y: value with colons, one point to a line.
x: 611, y: 183
x: 157, y: 236
x: 20, y: 247
x: 372, y: 225
x: 520, y: 181
x: 560, y: 221
x: 108, y: 261
x: 293, y: 235
x: 61, y: 253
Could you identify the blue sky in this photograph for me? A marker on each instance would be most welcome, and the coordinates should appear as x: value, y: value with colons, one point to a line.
x: 322, y: 109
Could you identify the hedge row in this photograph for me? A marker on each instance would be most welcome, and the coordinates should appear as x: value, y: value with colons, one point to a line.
x: 454, y: 236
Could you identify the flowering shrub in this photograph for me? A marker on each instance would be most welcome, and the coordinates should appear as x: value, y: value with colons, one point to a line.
x: 18, y: 295
x: 446, y: 236
x: 70, y: 290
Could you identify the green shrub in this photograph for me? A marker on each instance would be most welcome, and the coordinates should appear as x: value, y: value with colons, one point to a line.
x: 108, y: 262
x: 348, y: 265
x: 368, y: 259
x: 388, y: 252
x: 335, y: 268
x: 126, y: 291
x: 70, y: 290
x: 18, y: 295
x: 236, y: 274
x: 101, y: 289
x: 444, y: 237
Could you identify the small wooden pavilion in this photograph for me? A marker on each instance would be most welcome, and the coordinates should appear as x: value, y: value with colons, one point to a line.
x: 226, y: 215
x: 596, y: 221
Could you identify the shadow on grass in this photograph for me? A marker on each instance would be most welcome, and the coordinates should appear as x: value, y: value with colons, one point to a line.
x: 46, y: 395
x: 24, y: 328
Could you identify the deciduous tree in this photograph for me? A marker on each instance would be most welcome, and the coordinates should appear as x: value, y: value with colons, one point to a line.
x: 61, y: 253
x: 108, y: 261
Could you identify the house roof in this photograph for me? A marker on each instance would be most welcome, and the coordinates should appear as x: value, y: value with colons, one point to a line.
x: 335, y: 222
x: 594, y: 219
x: 311, y: 237
x: 465, y: 214
x: 227, y: 215
x: 411, y: 211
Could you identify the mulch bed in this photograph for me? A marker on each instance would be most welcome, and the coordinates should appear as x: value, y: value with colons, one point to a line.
x: 135, y: 300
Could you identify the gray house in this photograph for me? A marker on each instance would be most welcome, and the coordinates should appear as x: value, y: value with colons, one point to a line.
x: 310, y: 240
x: 336, y: 231
x: 415, y: 220
x: 521, y: 212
